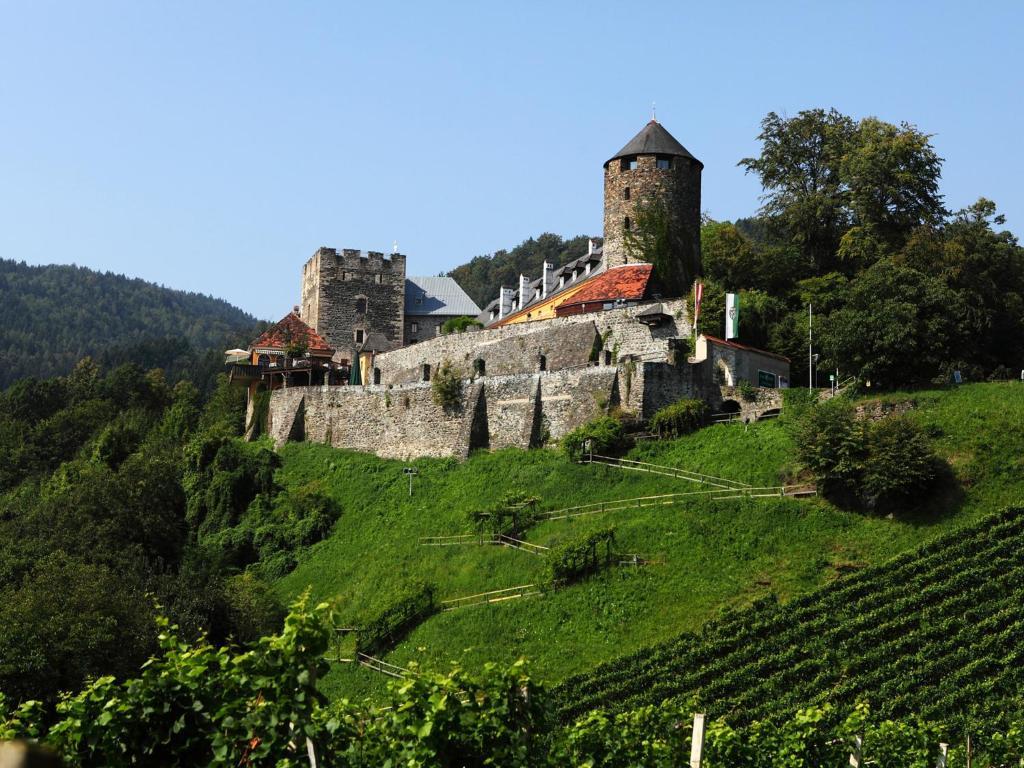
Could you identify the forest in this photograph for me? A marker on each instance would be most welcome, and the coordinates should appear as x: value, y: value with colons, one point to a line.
x: 53, y: 316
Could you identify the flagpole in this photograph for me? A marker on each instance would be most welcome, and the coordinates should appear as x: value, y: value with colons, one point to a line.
x: 810, y: 345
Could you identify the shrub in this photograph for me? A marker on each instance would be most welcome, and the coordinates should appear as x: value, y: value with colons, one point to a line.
x: 680, y: 418
x: 580, y: 556
x: 605, y: 434
x: 873, y: 465
x: 447, y: 387
x: 516, y: 512
x: 460, y: 324
x: 746, y: 390
x: 389, y: 626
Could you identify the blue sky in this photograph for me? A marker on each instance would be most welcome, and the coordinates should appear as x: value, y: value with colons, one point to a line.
x: 213, y: 146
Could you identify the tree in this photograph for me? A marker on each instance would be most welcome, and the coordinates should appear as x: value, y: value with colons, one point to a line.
x: 893, y: 178
x: 823, y: 174
x: 800, y: 171
x: 899, y: 326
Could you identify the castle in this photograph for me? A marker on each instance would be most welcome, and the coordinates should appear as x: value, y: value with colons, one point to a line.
x: 353, y: 364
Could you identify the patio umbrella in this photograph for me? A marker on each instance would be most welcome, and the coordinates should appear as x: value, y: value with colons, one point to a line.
x: 353, y: 376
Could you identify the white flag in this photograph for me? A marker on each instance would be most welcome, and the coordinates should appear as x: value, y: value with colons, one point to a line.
x: 732, y: 315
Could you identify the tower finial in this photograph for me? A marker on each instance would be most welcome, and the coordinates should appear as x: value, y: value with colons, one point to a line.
x: 654, y: 112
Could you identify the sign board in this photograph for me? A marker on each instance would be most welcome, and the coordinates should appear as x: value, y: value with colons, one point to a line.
x: 766, y: 379
x: 831, y: 377
x: 957, y: 378
x: 411, y: 471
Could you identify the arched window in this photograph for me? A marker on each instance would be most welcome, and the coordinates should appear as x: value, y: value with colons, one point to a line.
x: 480, y: 367
x: 263, y: 361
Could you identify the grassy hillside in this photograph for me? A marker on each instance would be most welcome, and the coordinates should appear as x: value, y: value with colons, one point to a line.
x: 716, y: 554
x: 52, y: 316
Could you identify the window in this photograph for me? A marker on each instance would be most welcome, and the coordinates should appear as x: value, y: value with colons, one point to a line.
x: 626, y: 224
x: 361, y: 305
x: 627, y: 164
x: 607, y: 357
x: 426, y: 372
x: 664, y: 163
x: 414, y: 327
x: 359, y: 335
x: 543, y: 361
x: 376, y: 375
x: 479, y: 367
x: 378, y: 278
x: 263, y: 361
x: 625, y: 194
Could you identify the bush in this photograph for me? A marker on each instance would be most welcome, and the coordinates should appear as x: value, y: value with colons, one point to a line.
x: 872, y: 465
x: 388, y: 627
x: 605, y: 434
x: 580, y: 556
x: 746, y: 390
x: 447, y: 387
x: 460, y: 324
x: 678, y: 419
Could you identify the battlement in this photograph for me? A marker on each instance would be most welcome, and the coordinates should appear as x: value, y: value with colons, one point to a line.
x: 356, y: 260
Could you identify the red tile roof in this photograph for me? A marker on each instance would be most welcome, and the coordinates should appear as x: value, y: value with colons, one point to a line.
x: 291, y: 329
x: 628, y: 283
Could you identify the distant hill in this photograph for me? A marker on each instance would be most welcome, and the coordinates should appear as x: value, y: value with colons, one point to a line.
x: 482, y: 277
x: 52, y: 316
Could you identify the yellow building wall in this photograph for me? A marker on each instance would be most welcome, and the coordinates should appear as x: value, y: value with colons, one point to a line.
x: 544, y: 310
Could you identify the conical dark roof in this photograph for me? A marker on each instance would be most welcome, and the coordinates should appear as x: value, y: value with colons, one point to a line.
x: 653, y: 140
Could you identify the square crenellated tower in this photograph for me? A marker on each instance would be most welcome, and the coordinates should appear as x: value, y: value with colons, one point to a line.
x: 347, y: 296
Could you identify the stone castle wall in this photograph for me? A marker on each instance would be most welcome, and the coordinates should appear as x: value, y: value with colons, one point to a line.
x: 678, y: 186
x: 353, y: 291
x: 404, y: 422
x: 566, y: 342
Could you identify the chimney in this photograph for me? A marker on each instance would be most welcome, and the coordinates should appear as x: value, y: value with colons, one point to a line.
x: 547, y: 283
x: 590, y: 247
x: 505, y: 302
x: 296, y: 310
x: 524, y: 286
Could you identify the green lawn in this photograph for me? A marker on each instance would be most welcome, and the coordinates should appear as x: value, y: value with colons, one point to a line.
x: 716, y: 554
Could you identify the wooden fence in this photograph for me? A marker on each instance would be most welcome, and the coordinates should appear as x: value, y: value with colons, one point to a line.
x: 658, y: 469
x: 494, y: 596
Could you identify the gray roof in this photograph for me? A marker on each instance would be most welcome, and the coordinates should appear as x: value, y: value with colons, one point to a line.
x: 653, y: 140
x: 437, y: 296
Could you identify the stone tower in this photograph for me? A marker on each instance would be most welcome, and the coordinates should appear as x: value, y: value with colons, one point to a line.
x: 349, y: 295
x: 652, y: 166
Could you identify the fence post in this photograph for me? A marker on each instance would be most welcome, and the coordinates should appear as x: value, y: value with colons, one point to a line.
x: 855, y: 755
x: 943, y: 753
x: 697, y: 742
